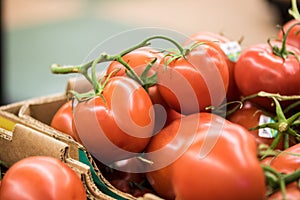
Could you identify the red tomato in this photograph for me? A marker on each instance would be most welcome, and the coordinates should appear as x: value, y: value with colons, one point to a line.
x: 41, y: 177
x: 286, y: 162
x: 218, y: 149
x: 232, y: 160
x: 138, y: 60
x: 63, y: 120
x: 118, y: 123
x: 292, y: 193
x: 259, y: 69
x: 293, y: 37
x: 172, y: 115
x: 232, y: 93
x: 249, y: 117
x: 190, y: 84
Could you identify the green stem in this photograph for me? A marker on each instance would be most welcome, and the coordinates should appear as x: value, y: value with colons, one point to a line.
x: 294, y: 11
x: 291, y: 106
x: 276, y: 140
x: 176, y: 44
x: 132, y: 73
x: 286, y: 143
x: 280, y: 115
x: 283, y: 52
x: 103, y: 57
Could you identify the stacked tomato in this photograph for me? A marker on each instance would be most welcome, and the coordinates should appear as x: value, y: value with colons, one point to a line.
x: 206, y: 120
x: 198, y: 122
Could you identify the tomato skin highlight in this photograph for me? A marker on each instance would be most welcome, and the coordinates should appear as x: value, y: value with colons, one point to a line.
x: 231, y: 160
x: 41, y: 177
x: 190, y: 84
x: 117, y: 124
x: 258, y: 69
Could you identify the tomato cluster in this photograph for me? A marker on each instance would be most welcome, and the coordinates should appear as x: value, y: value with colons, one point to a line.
x: 199, y: 108
x: 207, y: 120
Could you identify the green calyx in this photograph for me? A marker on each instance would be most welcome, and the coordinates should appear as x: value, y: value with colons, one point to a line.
x: 284, y: 126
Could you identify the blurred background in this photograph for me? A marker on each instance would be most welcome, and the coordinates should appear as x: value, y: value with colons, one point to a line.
x: 38, y: 33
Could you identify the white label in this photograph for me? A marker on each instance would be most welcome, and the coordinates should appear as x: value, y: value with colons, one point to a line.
x: 232, y: 50
x: 266, y: 132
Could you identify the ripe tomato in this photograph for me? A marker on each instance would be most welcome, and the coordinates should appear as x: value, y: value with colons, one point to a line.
x: 232, y: 160
x: 218, y: 149
x: 172, y: 115
x: 232, y: 93
x: 292, y: 193
x: 41, y: 177
x: 189, y: 84
x: 287, y: 162
x: 118, y: 123
x: 138, y: 60
x: 249, y: 116
x: 259, y: 69
x: 63, y: 121
x: 293, y: 37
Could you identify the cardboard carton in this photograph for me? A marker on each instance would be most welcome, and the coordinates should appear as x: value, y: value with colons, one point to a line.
x: 24, y: 142
x: 26, y: 122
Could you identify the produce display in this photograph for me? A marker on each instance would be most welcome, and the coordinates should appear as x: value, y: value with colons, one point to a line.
x: 202, y: 119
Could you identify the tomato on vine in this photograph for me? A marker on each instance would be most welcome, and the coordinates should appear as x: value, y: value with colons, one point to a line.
x: 117, y: 123
x: 194, y: 79
x: 272, y: 67
x: 144, y: 62
x: 223, y: 43
x: 251, y: 116
x: 293, y: 37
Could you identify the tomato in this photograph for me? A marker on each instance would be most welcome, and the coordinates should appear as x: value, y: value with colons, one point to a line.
x: 218, y: 152
x: 249, y: 116
x: 118, y: 123
x: 138, y: 60
x: 189, y: 84
x: 172, y: 115
x: 232, y: 93
x: 63, y: 120
x: 293, y: 37
x: 292, y: 193
x: 259, y: 69
x: 41, y: 177
x: 286, y: 161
